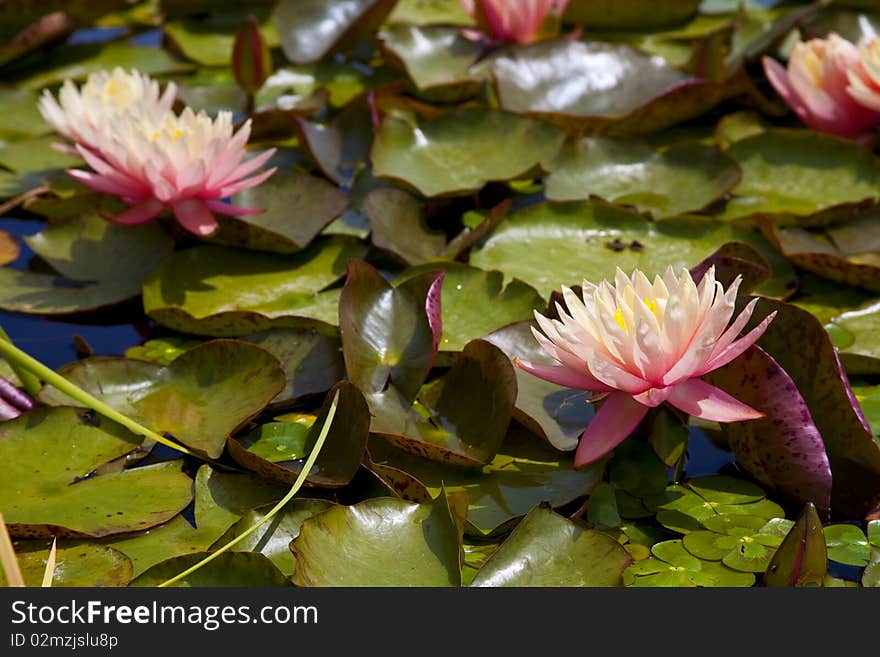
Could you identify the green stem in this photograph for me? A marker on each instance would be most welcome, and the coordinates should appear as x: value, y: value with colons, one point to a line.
x: 300, y: 480
x: 16, y: 357
x: 29, y: 382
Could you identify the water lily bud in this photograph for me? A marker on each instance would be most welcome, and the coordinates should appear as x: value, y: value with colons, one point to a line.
x: 251, y: 61
x: 515, y: 21
x: 826, y: 85
x: 643, y: 343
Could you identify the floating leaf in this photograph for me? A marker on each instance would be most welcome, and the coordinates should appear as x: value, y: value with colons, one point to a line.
x: 672, y: 565
x: 380, y: 542
x: 802, y: 559
x: 341, y: 147
x: 76, y: 564
x: 200, y: 399
x: 36, y: 155
x: 208, y: 40
x: 398, y: 225
x: 9, y: 249
x: 163, y: 351
x: 742, y: 542
x: 686, y: 177
x: 230, y: 569
x: 211, y: 290
x: 430, y: 12
x: 462, y: 150
x: 669, y: 437
x: 631, y: 15
x: 546, y: 549
x: 847, y: 544
x: 21, y: 118
x: 64, y: 495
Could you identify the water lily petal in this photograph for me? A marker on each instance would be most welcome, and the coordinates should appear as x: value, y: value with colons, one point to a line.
x: 698, y: 398
x: 138, y: 214
x: 616, y: 419
x: 563, y: 376
x: 195, y: 216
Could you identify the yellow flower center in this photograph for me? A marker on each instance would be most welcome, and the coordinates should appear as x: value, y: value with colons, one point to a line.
x: 618, y: 314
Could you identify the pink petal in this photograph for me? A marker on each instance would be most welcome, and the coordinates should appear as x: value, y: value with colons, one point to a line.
x: 195, y: 216
x: 698, y: 398
x: 654, y: 396
x: 248, y: 167
x: 229, y: 210
x: 253, y: 181
x: 138, y: 214
x: 738, y: 347
x: 616, y: 419
x: 563, y: 376
x: 100, y: 183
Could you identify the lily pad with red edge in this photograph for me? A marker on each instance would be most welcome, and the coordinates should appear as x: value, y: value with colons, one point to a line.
x: 476, y: 302
x: 686, y: 177
x: 201, y: 398
x: 462, y: 150
x: 546, y: 549
x: 79, y: 251
x: 297, y: 207
x: 672, y: 565
x: 217, y: 291
x: 230, y: 569
x: 309, y: 29
x: 393, y: 543
x: 523, y: 474
x: 53, y: 486
x: 852, y: 450
x: 340, y: 457
x: 220, y: 500
x: 76, y: 564
x: 802, y: 558
x: 619, y: 90
x: 784, y: 449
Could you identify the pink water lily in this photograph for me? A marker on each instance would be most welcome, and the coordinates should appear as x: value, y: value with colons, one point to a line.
x: 644, y: 343
x: 826, y: 84
x: 513, y: 21
x: 154, y: 159
x: 864, y: 82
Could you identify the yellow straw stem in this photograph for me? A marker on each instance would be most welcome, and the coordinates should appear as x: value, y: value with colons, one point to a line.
x: 49, y: 573
x: 8, y: 559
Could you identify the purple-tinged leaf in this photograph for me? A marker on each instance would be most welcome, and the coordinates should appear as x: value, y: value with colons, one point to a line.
x: 802, y: 558
x: 433, y: 311
x: 14, y: 396
x: 735, y: 259
x: 784, y: 449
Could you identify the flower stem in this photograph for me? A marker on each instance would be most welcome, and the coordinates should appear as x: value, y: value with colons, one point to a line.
x: 16, y: 357
x: 29, y: 382
x: 300, y: 480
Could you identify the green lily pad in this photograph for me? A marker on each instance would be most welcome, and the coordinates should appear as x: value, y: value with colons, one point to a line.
x: 686, y: 177
x: 549, y: 245
x: 391, y: 209
x: 476, y: 302
x: 547, y: 549
x: 21, y: 118
x: 558, y: 415
x: 869, y: 401
x: 430, y: 12
x: 80, y: 250
x: 309, y: 29
x: 523, y: 474
x: 847, y: 544
x: 220, y: 500
x: 297, y: 208
x: 619, y: 90
x: 338, y: 461
x: 284, y: 439
x: 9, y: 249
x: 741, y: 542
x: 200, y: 399
x: 631, y: 15
x: 636, y: 470
x: 312, y: 361
x: 671, y: 565
x: 211, y: 290
x: 435, y: 57
x: 230, y: 569
x: 381, y: 542
x: 76, y: 564
x: 738, y: 126
x: 36, y: 155
x: 669, y: 437
x: 208, y: 40
x: 852, y: 451
x: 802, y: 173
x: 462, y: 150
x: 861, y: 352
x: 64, y: 495
x: 802, y: 559
x: 273, y: 539
x: 163, y: 351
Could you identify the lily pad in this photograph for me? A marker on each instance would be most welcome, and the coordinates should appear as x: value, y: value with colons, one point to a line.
x: 398, y: 226
x: 76, y: 564
x: 802, y: 559
x: 212, y: 290
x: 79, y: 250
x: 686, y: 177
x: 430, y: 12
x: 741, y: 542
x: 558, y: 415
x: 163, y: 351
x: 220, y: 500
x: 200, y: 399
x: 549, y: 245
x: 603, y: 88
x: 338, y: 461
x: 208, y: 40
x: 230, y: 569
x: 847, y: 544
x: 462, y: 150
x: 309, y: 29
x: 297, y: 208
x: 36, y: 155
x: 523, y: 474
x: 9, y: 249
x: 65, y: 495
x: 802, y: 173
x: 476, y: 302
x: 21, y: 118
x: 784, y: 449
x: 547, y: 549
x: 381, y: 542
x: 631, y: 15
x: 672, y: 565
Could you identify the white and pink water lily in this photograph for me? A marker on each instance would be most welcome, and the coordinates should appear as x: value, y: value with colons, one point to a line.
x: 643, y: 343
x: 154, y: 159
x: 513, y: 21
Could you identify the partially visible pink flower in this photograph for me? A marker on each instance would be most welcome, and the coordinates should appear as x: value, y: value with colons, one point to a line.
x: 817, y: 86
x: 864, y: 82
x: 645, y: 343
x: 513, y: 21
